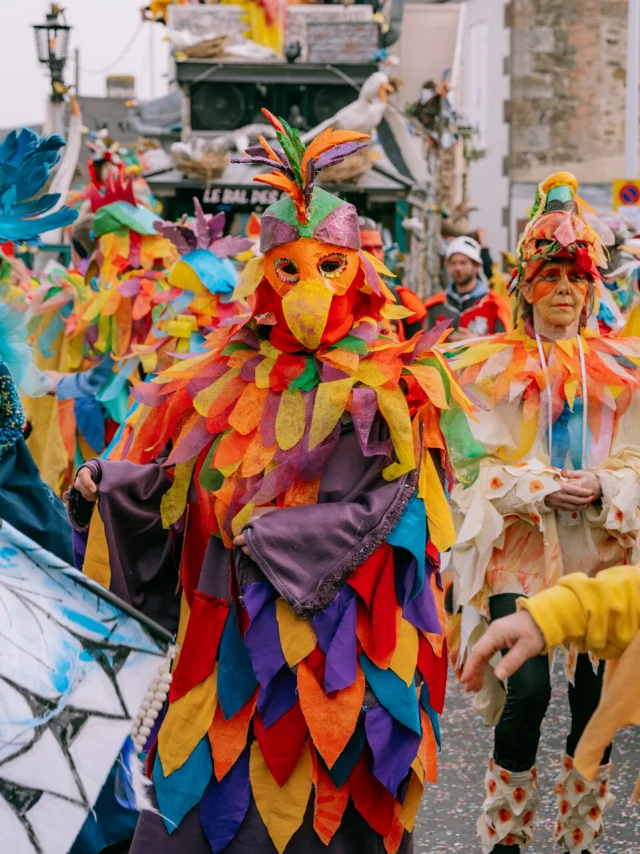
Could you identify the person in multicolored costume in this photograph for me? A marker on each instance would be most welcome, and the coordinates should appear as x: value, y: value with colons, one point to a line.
x: 109, y: 324
x: 26, y: 212
x: 554, y: 466
x: 302, y: 508
x: 198, y: 299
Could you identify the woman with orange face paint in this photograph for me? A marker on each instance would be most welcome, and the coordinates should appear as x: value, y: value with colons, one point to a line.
x: 552, y: 488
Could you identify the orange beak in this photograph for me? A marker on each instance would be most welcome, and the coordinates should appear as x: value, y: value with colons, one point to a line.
x: 383, y: 92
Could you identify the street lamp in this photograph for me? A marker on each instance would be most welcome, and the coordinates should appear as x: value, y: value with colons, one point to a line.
x: 52, y: 44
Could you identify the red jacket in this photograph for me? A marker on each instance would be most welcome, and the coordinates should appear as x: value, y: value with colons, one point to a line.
x: 490, y: 314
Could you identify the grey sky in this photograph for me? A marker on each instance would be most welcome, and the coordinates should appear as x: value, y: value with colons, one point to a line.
x: 101, y: 29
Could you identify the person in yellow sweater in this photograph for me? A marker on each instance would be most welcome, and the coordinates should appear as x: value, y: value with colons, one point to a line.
x: 600, y: 615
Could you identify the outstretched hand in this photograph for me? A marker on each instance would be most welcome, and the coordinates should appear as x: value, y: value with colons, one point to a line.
x: 85, y: 485
x: 518, y: 633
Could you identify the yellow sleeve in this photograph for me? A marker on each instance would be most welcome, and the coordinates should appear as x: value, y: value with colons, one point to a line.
x: 600, y: 615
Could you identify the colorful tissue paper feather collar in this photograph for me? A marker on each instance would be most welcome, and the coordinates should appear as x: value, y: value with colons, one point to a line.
x: 507, y: 367
x: 258, y: 424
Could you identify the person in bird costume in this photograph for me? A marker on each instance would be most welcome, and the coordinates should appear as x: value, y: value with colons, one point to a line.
x: 553, y: 463
x: 109, y: 325
x: 289, y: 482
x: 198, y: 299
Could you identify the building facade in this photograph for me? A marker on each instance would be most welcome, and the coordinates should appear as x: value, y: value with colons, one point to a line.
x: 558, y: 105
x: 485, y: 89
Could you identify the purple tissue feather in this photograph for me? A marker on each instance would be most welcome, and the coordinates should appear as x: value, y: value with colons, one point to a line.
x: 370, y: 276
x: 229, y: 247
x: 338, y: 154
x: 196, y: 439
x: 215, y: 225
x: 151, y: 394
x: 430, y: 338
x: 364, y: 406
x: 180, y: 235
x: 201, y: 227
x: 268, y: 420
x: 263, y: 160
x: 309, y: 183
x: 129, y: 288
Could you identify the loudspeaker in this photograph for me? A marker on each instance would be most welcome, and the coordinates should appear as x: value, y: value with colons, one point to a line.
x: 229, y: 106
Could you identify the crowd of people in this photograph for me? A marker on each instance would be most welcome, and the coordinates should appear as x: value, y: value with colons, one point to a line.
x: 274, y: 452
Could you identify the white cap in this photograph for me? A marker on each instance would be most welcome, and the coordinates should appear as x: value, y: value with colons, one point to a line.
x: 465, y: 246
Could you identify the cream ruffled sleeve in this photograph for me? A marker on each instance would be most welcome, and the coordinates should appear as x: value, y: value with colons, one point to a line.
x: 501, y: 490
x: 618, y: 512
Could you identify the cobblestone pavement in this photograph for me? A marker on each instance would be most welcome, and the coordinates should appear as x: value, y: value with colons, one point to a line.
x: 448, y: 814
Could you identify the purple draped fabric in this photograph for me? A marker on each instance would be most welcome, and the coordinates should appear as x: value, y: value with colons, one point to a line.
x: 356, y: 505
x: 144, y: 571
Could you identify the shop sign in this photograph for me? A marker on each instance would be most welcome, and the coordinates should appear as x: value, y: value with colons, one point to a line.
x: 254, y: 196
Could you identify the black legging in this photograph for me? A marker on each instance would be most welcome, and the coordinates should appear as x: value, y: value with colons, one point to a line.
x: 528, y: 695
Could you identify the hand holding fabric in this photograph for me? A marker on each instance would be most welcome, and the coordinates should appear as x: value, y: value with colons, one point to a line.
x: 517, y: 633
x: 85, y: 484
x: 240, y: 540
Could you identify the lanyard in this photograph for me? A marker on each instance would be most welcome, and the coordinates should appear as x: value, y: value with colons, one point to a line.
x: 585, y: 407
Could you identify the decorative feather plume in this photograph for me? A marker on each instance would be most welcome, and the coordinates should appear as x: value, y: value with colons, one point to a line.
x: 26, y: 161
x: 203, y: 232
x: 120, y: 190
x: 294, y: 168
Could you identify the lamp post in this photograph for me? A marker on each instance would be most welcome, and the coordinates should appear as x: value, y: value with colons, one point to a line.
x: 52, y: 45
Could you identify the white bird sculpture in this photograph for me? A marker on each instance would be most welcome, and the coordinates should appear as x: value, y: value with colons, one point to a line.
x: 366, y: 112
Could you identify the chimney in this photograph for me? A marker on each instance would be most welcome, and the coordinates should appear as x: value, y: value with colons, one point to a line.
x: 121, y: 86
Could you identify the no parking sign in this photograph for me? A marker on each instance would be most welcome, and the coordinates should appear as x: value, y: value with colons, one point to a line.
x: 626, y: 198
x: 626, y: 193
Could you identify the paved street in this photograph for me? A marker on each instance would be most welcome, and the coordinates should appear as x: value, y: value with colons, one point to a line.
x: 448, y: 814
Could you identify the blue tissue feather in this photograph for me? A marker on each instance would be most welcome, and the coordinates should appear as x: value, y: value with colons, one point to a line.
x: 26, y: 161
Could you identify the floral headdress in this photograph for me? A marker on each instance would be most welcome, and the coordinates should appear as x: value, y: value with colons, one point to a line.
x: 561, y: 226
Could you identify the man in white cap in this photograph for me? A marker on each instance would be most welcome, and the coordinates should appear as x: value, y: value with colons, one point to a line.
x: 467, y: 302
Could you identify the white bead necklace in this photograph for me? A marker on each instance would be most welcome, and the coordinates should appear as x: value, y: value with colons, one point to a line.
x: 153, y: 702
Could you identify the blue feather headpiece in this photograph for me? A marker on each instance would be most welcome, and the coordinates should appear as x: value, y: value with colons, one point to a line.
x: 26, y: 161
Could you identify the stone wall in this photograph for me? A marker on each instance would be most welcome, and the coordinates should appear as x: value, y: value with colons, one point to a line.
x: 567, y: 102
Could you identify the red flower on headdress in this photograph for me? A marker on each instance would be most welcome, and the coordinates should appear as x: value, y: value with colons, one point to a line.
x: 584, y: 261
